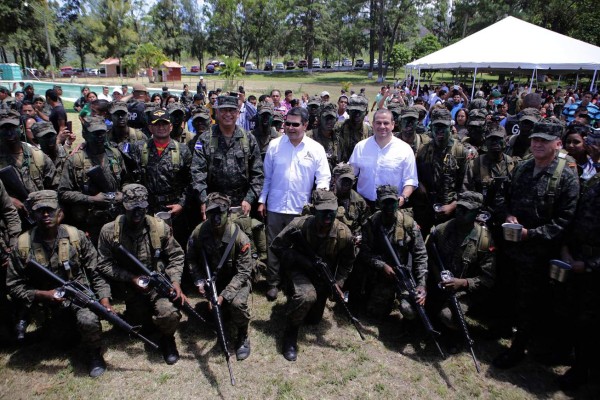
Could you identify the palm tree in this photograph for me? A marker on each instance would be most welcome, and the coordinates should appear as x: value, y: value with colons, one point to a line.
x: 231, y: 70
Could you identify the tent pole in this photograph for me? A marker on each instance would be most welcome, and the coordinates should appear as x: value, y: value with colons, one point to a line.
x: 593, y: 80
x: 558, y: 83
x: 576, y: 82
x: 531, y: 82
x: 418, y: 80
x: 473, y: 87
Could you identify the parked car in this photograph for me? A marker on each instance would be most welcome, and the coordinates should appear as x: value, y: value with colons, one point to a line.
x: 360, y: 63
x: 195, y: 68
x: 279, y: 67
x: 221, y: 64
x: 326, y: 64
x: 94, y: 72
x: 337, y: 64
x: 316, y: 63
x: 290, y: 64
x: 346, y: 63
x: 210, y: 68
x: 269, y: 66
x: 67, y: 72
x: 302, y: 64
x: 250, y: 65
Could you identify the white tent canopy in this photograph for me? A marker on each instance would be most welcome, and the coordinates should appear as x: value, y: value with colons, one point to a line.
x: 526, y: 46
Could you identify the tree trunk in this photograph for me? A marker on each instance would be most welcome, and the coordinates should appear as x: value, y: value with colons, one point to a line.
x: 380, y: 44
x: 372, y: 11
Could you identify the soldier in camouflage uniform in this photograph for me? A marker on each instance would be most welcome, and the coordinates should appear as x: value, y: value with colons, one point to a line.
x: 123, y: 137
x: 478, y: 103
x: 278, y: 119
x: 409, y: 121
x: 396, y: 110
x: 477, y: 127
x: 406, y: 238
x: 542, y: 198
x: 421, y: 128
x: 582, y: 252
x: 263, y: 130
x: 211, y: 238
x: 200, y: 122
x: 354, y: 129
x: 325, y: 134
x: 45, y: 135
x: 150, y: 240
x: 466, y: 249
x: 165, y: 172
x: 227, y: 160
x: 352, y: 207
x: 306, y: 290
x: 441, y: 165
x: 177, y: 116
x: 518, y: 145
x: 313, y: 105
x: 68, y: 253
x: 36, y: 169
x: 90, y: 206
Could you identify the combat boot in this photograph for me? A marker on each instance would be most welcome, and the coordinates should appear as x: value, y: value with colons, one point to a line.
x: 20, y: 330
x: 514, y: 355
x: 573, y: 379
x: 169, y: 349
x: 290, y: 343
x: 242, y: 345
x: 97, y: 365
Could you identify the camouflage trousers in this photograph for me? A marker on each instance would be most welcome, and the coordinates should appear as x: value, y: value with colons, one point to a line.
x: 143, y: 308
x: 306, y: 302
x: 382, y: 296
x: 86, y: 322
x: 238, y: 309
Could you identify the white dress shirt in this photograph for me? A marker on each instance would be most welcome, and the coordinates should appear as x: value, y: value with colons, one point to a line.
x: 393, y: 164
x: 290, y: 172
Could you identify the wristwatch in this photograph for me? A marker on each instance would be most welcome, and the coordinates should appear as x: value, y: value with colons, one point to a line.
x: 405, y: 198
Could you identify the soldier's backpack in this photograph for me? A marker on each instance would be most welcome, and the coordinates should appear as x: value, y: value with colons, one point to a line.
x: 25, y: 244
x: 175, y: 156
x: 214, y: 144
x: 82, y: 163
x: 36, y: 168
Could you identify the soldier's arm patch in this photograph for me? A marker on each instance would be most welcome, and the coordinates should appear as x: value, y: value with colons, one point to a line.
x: 198, y: 145
x: 245, y: 248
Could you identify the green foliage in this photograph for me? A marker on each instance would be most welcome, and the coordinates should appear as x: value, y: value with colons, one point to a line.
x: 346, y: 85
x: 400, y: 55
x: 112, y: 26
x: 232, y: 69
x: 427, y: 45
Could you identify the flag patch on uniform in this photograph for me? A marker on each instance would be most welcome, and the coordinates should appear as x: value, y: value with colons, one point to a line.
x: 198, y: 145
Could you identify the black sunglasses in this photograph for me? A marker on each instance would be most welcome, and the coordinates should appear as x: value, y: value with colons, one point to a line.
x: 294, y: 124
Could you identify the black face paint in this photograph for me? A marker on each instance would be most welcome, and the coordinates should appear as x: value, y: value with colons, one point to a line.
x: 217, y: 218
x: 325, y: 217
x: 136, y: 215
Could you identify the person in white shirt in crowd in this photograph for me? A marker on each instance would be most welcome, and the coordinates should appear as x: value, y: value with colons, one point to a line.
x: 342, y: 105
x: 293, y: 162
x: 104, y: 95
x: 383, y: 159
x: 117, y: 94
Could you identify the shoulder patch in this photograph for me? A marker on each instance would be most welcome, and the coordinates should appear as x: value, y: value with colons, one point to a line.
x: 245, y: 248
x: 198, y: 145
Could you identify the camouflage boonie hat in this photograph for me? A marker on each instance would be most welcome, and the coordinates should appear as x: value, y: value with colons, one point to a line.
x: 410, y: 112
x: 324, y: 200
x: 40, y: 129
x: 226, y: 102
x: 421, y: 109
x: 547, y: 130
x: 440, y: 116
x: 217, y: 200
x: 118, y: 106
x: 477, y: 117
x: 387, y: 192
x: 9, y: 117
x: 41, y: 199
x: 477, y: 104
x: 314, y: 101
x: 328, y: 109
x: 344, y: 170
x: 95, y: 124
x: 175, y: 107
x: 358, y: 103
x: 278, y: 116
x: 470, y: 200
x: 150, y: 106
x: 135, y: 196
x: 497, y: 131
x: 200, y: 112
x: 265, y: 107
x: 530, y: 114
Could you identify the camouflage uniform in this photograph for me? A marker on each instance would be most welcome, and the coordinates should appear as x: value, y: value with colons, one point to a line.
x: 233, y: 169
x: 518, y: 145
x: 10, y: 228
x: 39, y: 131
x: 420, y: 138
x: 307, y: 293
x: 476, y: 126
x: 23, y: 282
x: 405, y: 236
x: 349, y: 134
x: 352, y: 210
x: 313, y: 105
x: 331, y: 144
x: 75, y: 186
x: 126, y: 142
x: 233, y: 278
x: 265, y: 110
x: 546, y: 216
x: 167, y: 259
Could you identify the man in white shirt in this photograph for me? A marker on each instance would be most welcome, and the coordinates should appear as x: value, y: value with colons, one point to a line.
x: 293, y: 163
x: 383, y: 159
x: 104, y: 95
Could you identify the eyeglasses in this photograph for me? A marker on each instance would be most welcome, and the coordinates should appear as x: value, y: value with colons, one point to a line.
x: 294, y: 124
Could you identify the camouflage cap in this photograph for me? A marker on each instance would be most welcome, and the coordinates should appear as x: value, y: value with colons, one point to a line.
x: 278, y: 116
x: 477, y: 103
x: 328, y: 109
x: 470, y: 200
x: 9, y: 117
x: 265, y: 107
x: 150, y: 106
x: 344, y: 170
x: 547, y: 130
x: 421, y: 109
x: 324, y: 200
x: 40, y: 129
x: 440, y: 116
x: 200, y: 112
x: 159, y: 115
x: 139, y: 87
x: 217, y: 200
x: 118, y: 106
x: 411, y: 112
x: 175, y: 108
x: 477, y: 117
x: 135, y: 196
x: 497, y: 131
x: 387, y: 192
x: 41, y: 199
x: 396, y: 109
x: 314, y: 101
x: 358, y: 103
x: 95, y: 124
x: 226, y: 102
x: 530, y: 114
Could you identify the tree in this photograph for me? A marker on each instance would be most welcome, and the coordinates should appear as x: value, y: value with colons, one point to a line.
x: 427, y: 45
x: 400, y: 55
x: 148, y: 56
x: 231, y: 70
